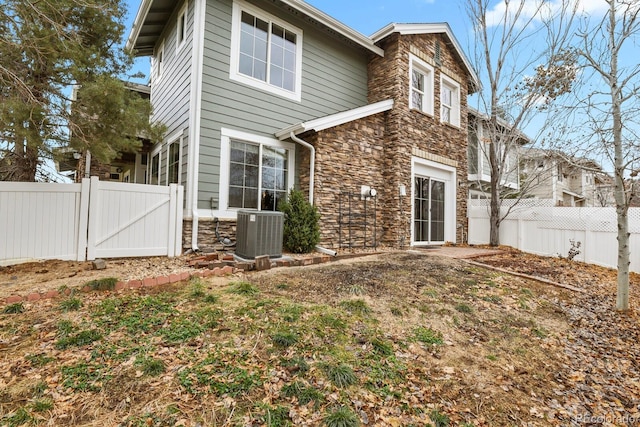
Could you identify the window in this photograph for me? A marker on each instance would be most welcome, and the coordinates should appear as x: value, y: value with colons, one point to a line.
x: 560, y: 173
x: 159, y: 62
x: 260, y: 171
x: 181, y: 27
x: 449, y: 101
x: 421, y: 91
x: 173, y: 163
x: 154, y: 177
x: 265, y: 53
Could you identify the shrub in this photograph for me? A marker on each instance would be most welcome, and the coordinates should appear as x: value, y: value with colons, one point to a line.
x: 301, y: 232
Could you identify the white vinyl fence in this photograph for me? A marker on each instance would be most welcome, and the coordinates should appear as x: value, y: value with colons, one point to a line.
x: 535, y: 226
x: 88, y: 220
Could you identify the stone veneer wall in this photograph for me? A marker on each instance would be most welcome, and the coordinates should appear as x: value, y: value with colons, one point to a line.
x: 347, y: 157
x: 206, y: 233
x: 413, y: 133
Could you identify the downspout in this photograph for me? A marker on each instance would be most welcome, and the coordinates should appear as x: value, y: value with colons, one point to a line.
x: 312, y: 166
x: 195, y: 107
x: 312, y: 162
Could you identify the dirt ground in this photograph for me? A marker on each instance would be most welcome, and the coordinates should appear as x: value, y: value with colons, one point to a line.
x: 517, y: 352
x: 41, y: 276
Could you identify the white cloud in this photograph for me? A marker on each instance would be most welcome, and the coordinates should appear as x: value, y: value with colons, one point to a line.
x: 532, y: 11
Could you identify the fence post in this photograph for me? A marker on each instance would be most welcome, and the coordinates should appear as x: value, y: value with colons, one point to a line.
x: 171, y: 243
x: 83, y: 220
x: 587, y: 238
x: 93, y: 218
x: 179, y: 211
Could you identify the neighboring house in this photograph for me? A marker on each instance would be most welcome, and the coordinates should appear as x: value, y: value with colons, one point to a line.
x: 263, y: 96
x: 568, y: 182
x: 127, y: 167
x: 480, y: 138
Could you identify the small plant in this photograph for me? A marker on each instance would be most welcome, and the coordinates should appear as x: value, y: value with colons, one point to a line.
x: 42, y: 405
x: 301, y: 231
x: 463, y: 308
x: 65, y: 327
x: 428, y: 336
x: 152, y: 367
x: 341, y: 375
x: 276, y: 417
x: 197, y: 287
x: 540, y: 332
x: 296, y: 364
x: 291, y: 313
x: 342, y: 417
x: 574, y: 251
x: 18, y: 418
x: 284, y: 339
x: 382, y: 347
x: 70, y: 304
x: 211, y: 299
x: 83, y: 377
x: 80, y: 339
x: 15, y: 308
x: 396, y: 311
x: 38, y: 389
x: 303, y: 393
x: 356, y: 306
x: 38, y: 360
x: 492, y: 357
x: 104, y: 284
x: 243, y: 288
x: 439, y: 419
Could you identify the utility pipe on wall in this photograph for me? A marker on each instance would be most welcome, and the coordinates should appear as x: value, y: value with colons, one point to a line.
x: 312, y: 166
x: 312, y: 162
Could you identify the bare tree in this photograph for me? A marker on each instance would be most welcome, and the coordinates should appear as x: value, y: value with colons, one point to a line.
x: 520, y: 57
x: 608, y: 110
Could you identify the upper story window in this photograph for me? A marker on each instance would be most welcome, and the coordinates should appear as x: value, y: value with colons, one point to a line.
x: 449, y: 101
x: 421, y: 90
x: 181, y: 27
x: 158, y: 63
x: 265, y: 52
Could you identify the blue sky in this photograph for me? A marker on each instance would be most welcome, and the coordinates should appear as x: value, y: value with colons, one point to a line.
x: 368, y: 16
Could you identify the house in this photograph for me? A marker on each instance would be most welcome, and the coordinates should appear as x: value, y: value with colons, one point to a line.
x: 127, y: 167
x: 263, y: 96
x: 576, y: 182
x: 479, y: 167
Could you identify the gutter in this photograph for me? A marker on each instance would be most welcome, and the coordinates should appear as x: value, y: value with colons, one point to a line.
x: 312, y: 166
x: 312, y: 162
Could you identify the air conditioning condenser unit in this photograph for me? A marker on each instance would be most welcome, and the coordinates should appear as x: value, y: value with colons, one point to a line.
x: 259, y: 233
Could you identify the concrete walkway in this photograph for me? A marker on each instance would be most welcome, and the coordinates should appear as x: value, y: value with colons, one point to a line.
x: 459, y: 252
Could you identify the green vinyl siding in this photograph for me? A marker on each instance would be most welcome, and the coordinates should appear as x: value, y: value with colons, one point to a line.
x: 171, y: 95
x: 334, y: 79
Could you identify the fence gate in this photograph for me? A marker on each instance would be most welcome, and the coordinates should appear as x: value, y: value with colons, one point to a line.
x: 128, y: 220
x: 88, y: 220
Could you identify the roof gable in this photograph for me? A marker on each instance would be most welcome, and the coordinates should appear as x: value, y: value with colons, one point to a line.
x: 437, y: 28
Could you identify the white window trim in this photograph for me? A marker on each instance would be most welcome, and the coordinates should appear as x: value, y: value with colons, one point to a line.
x: 158, y: 151
x: 440, y: 172
x: 455, y: 103
x: 158, y: 66
x: 428, y: 71
x: 183, y: 12
x: 238, y: 7
x: 176, y: 137
x: 226, y: 135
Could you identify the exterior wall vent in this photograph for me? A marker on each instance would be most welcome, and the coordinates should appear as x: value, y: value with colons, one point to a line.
x: 259, y: 233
